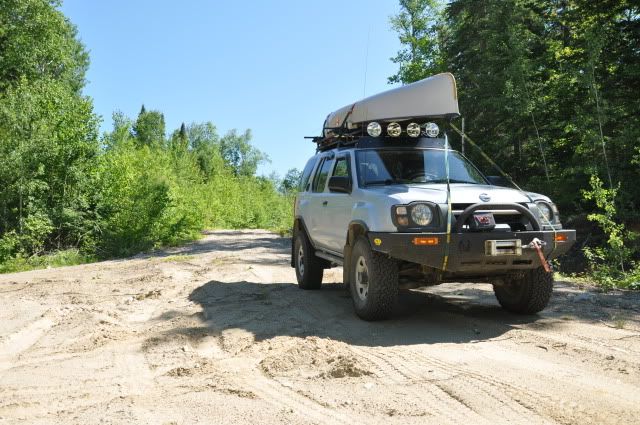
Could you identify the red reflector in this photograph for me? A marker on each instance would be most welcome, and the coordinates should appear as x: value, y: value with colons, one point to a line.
x: 561, y: 237
x: 425, y: 241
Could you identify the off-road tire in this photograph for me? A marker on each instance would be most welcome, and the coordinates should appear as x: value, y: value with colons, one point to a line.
x: 382, y: 282
x: 528, y: 294
x: 309, y: 268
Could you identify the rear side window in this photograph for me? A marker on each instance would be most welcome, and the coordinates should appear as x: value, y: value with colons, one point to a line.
x: 342, y: 168
x: 322, y: 175
x: 306, y: 174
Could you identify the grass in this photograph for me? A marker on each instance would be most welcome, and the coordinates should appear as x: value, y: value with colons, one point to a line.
x: 178, y: 258
x: 630, y: 281
x: 73, y: 257
x: 69, y: 257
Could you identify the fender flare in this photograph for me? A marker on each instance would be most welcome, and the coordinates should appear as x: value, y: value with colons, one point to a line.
x: 356, y: 228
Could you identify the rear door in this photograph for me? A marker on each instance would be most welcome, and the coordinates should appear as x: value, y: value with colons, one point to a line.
x: 338, y: 207
x: 318, y: 201
x: 302, y: 204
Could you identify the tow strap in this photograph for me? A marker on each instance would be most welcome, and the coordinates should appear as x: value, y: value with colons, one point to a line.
x: 445, y: 260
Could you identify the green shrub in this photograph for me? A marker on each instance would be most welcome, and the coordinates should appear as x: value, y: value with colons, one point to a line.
x: 611, y: 265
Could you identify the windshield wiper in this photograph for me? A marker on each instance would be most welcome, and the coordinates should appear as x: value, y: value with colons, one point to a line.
x: 452, y: 181
x: 386, y: 182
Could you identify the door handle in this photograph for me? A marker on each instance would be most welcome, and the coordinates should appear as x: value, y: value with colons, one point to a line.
x: 324, y: 203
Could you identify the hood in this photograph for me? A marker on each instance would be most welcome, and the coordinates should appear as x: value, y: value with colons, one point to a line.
x: 460, y: 193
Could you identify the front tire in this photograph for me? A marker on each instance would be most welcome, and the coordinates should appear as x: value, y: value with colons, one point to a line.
x: 309, y: 268
x: 528, y: 294
x: 374, y: 282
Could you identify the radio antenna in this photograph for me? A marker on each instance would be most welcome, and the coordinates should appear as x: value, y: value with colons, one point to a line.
x: 366, y: 64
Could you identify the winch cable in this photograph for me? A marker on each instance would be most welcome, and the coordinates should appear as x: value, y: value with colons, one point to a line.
x: 445, y: 260
x: 508, y: 177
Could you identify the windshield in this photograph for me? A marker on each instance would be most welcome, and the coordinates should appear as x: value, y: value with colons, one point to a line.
x: 413, y: 166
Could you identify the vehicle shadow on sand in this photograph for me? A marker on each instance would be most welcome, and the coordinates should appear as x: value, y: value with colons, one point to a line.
x: 281, y: 309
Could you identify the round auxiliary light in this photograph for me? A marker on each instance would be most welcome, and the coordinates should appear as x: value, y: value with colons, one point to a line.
x: 431, y: 129
x: 394, y: 129
x: 374, y: 129
x: 413, y: 130
x: 421, y: 214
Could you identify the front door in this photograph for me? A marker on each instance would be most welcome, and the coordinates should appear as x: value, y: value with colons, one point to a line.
x: 338, y: 208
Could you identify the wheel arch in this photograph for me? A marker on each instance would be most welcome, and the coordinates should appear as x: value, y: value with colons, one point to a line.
x: 298, y: 226
x: 356, y: 229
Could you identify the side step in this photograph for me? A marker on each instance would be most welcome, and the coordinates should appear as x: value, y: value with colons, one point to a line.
x: 330, y: 257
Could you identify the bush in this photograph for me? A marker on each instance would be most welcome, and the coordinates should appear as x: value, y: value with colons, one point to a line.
x: 611, y: 265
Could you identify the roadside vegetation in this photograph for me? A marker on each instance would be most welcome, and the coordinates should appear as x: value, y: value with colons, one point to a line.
x: 549, y: 90
x: 69, y: 195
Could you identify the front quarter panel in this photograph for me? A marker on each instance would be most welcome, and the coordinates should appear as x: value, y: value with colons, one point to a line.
x: 374, y: 210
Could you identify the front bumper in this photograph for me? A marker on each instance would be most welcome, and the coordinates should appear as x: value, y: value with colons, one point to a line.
x: 466, y: 250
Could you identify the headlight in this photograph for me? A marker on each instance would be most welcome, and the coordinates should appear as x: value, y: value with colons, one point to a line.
x: 546, y: 214
x: 421, y: 214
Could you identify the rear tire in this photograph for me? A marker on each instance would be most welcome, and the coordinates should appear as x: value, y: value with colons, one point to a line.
x: 528, y: 294
x: 309, y: 268
x: 373, y: 282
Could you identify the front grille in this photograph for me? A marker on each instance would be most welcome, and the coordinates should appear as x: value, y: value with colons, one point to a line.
x: 510, y: 217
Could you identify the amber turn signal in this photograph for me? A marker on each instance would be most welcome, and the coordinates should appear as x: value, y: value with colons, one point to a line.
x: 561, y: 237
x: 426, y: 241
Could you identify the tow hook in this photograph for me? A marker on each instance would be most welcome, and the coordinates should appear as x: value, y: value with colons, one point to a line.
x: 537, y: 244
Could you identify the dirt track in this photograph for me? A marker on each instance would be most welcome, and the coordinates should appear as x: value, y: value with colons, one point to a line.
x: 217, y: 332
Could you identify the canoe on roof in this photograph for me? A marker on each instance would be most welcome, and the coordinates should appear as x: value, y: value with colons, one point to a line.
x: 433, y: 97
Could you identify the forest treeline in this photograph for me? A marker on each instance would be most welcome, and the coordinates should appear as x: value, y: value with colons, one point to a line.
x: 550, y: 89
x: 76, y: 195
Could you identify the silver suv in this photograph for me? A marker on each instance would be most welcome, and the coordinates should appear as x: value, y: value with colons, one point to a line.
x: 403, y: 209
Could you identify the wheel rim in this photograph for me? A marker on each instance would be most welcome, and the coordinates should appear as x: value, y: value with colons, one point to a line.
x: 362, y: 278
x: 301, y: 261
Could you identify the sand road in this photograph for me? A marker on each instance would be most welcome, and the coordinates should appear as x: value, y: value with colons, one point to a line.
x: 217, y: 332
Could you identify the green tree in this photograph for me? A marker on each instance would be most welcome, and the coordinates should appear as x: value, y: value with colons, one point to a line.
x: 149, y: 128
x: 290, y: 181
x: 48, y: 132
x: 238, y: 153
x: 37, y: 42
x: 204, y: 142
x: 419, y: 30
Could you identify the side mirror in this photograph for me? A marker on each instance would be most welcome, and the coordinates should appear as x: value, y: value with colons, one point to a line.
x: 498, y: 181
x: 341, y: 184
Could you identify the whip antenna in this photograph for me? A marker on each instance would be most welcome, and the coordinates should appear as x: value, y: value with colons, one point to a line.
x: 366, y: 63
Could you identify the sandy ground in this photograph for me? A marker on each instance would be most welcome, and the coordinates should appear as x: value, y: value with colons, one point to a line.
x: 217, y: 332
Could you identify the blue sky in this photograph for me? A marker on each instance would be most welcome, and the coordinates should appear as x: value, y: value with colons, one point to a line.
x: 277, y: 67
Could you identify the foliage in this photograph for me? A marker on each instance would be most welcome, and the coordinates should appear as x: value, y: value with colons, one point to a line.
x: 417, y: 29
x: 290, y: 181
x: 68, y: 197
x: 149, y: 128
x: 239, y: 154
x: 39, y: 43
x: 610, y: 264
x: 547, y: 87
x: 48, y: 132
x: 68, y: 257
